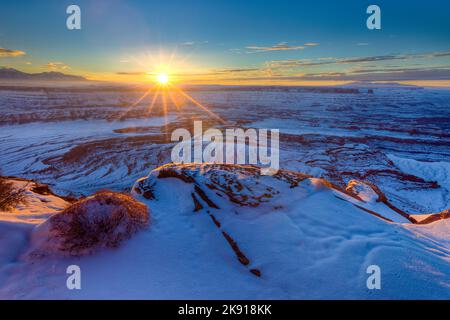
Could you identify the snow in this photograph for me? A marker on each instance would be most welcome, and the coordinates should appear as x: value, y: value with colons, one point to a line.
x: 437, y: 232
x: 17, y: 224
x: 430, y: 171
x: 35, y: 209
x: 334, y: 135
x: 364, y: 191
x: 309, y: 242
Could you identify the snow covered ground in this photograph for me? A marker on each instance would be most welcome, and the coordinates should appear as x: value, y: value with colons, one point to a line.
x: 69, y: 138
x: 384, y: 158
x: 246, y: 236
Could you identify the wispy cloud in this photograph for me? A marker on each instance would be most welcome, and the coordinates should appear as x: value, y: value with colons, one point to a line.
x: 236, y: 70
x: 404, y: 75
x: 130, y: 73
x: 397, y: 70
x: 56, y: 66
x: 8, y: 53
x: 399, y: 74
x: 212, y: 72
x: 282, y: 46
x: 319, y: 62
x: 236, y: 50
x: 440, y: 54
x: 365, y: 68
x: 193, y: 43
x: 371, y: 68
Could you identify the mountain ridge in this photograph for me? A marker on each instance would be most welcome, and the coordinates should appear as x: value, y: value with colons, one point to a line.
x: 14, y: 74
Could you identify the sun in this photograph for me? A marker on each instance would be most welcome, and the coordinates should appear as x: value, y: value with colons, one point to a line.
x: 165, y: 92
x: 162, y: 78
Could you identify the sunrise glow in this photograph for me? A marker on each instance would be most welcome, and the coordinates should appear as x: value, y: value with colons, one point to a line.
x: 162, y: 78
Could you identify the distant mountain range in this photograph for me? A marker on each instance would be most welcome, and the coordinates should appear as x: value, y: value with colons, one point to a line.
x: 13, y: 74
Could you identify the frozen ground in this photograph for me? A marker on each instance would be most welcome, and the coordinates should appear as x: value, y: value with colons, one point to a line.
x: 311, y: 241
x: 221, y: 232
x: 70, y: 138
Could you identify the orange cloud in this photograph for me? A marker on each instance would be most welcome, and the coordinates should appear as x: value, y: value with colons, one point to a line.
x: 56, y: 66
x: 8, y: 53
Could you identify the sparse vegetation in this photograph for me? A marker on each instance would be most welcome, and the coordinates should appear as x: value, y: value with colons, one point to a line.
x: 103, y: 220
x: 9, y: 195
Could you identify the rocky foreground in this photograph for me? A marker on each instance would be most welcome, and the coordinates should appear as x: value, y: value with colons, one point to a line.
x: 224, y: 231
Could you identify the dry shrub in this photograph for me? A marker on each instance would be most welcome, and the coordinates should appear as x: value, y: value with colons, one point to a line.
x: 9, y: 195
x: 103, y: 220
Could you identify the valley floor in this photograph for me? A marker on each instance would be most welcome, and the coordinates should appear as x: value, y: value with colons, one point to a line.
x: 365, y: 182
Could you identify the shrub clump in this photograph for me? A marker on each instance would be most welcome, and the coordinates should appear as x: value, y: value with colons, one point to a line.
x: 103, y: 220
x: 9, y: 195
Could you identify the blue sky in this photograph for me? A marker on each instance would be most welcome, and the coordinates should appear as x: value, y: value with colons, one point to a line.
x: 210, y: 38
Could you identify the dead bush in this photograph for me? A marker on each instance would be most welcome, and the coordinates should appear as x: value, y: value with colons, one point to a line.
x: 103, y: 220
x: 9, y: 195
